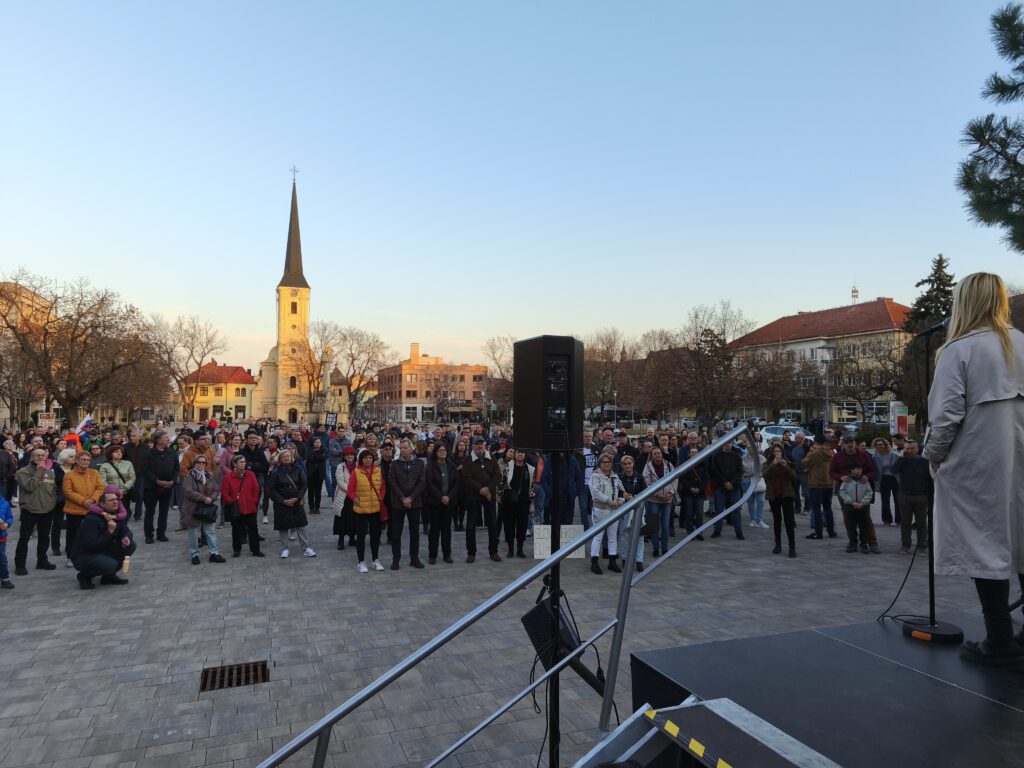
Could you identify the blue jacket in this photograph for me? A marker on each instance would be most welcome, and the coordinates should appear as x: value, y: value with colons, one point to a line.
x: 570, y: 477
x: 7, y: 516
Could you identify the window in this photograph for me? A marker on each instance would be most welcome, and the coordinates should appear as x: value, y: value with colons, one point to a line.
x: 295, y: 307
x: 814, y: 353
x: 790, y: 356
x: 462, y: 394
x: 238, y: 392
x: 851, y: 379
x: 428, y: 394
x: 851, y: 350
x: 865, y: 349
x: 292, y: 382
x: 462, y: 378
x: 204, y: 391
x: 477, y: 394
x: 218, y: 391
x: 243, y: 391
x: 410, y: 412
x: 410, y: 378
x: 477, y: 378
x: 410, y: 393
x: 192, y: 389
x: 803, y: 354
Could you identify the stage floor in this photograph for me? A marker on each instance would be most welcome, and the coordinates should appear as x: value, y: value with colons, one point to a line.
x: 863, y: 695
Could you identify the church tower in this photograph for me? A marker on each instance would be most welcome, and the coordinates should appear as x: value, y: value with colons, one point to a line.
x: 281, y: 393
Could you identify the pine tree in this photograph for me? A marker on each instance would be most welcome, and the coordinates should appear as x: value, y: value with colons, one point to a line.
x: 992, y: 176
x: 936, y: 302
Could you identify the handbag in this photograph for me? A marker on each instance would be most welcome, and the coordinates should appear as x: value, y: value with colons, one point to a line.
x: 650, y: 525
x: 205, y: 513
x: 231, y: 513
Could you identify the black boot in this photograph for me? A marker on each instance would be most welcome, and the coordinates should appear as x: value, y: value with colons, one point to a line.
x: 998, y: 649
x: 792, y: 546
x: 778, y: 542
x: 595, y: 567
x: 613, y: 564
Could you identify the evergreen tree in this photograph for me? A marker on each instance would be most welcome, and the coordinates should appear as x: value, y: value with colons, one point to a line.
x: 936, y: 302
x: 992, y: 176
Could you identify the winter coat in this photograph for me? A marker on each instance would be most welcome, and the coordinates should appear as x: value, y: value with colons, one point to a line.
x: 976, y: 431
x: 475, y: 477
x: 856, y: 492
x: 570, y: 478
x: 651, y: 477
x: 7, y: 516
x: 817, y: 464
x: 256, y: 460
x: 8, y: 465
x: 125, y: 481
x: 366, y: 489
x: 245, y: 490
x: 287, y: 481
x: 433, y: 492
x: 37, y: 492
x: 193, y: 493
x: 136, y: 454
x: 407, y: 479
x: 843, y: 462
x: 81, y: 489
x: 771, y: 473
x: 727, y: 467
x: 342, y: 475
x: 159, y: 465
x: 604, y: 489
x: 93, y: 538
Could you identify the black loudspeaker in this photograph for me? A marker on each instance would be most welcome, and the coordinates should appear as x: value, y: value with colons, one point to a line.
x: 538, y: 624
x: 547, y: 394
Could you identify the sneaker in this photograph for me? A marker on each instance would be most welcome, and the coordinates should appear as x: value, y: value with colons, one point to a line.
x: 85, y: 583
x: 377, y: 566
x: 740, y: 536
x: 218, y: 558
x: 265, y: 521
x: 291, y: 536
x: 174, y: 506
x: 762, y: 524
x: 904, y: 550
x: 68, y: 564
x: 813, y: 536
x: 699, y: 537
x: 309, y: 552
x: 236, y: 553
x: 195, y: 560
x: 851, y: 547
x: 362, y: 568
x: 639, y: 566
x: 284, y: 554
x: 875, y: 549
x: 6, y: 584
x: 20, y: 570
x: 258, y: 554
x: 112, y: 578
x: 161, y: 537
x: 864, y: 549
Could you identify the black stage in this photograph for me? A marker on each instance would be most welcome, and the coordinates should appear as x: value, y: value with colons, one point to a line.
x: 863, y: 695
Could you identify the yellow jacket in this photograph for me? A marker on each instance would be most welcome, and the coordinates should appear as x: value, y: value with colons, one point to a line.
x: 80, y: 490
x: 366, y: 489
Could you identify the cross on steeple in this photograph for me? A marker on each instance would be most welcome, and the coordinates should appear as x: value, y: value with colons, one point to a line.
x: 294, y: 171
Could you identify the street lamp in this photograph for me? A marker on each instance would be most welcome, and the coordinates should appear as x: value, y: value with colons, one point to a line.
x: 615, y: 396
x: 826, y: 352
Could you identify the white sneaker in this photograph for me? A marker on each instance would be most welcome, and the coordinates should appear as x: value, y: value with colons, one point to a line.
x: 265, y: 521
x: 68, y: 564
x: 362, y: 568
x: 308, y: 552
x: 291, y: 536
x: 284, y: 554
x: 377, y: 566
x: 764, y: 524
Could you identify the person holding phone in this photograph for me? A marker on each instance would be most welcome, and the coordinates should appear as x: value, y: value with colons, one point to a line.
x: 780, y: 491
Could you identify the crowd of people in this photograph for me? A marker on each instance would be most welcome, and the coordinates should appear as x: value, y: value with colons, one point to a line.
x: 382, y: 480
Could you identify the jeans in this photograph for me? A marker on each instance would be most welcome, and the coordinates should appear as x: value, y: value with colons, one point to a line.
x: 662, y: 512
x: 725, y: 498
x: 90, y: 566
x: 821, y: 510
x: 540, y: 505
x: 332, y: 479
x: 802, y: 492
x: 209, y: 530
x: 5, y: 573
x: 477, y: 511
x: 397, y: 523
x: 138, y: 496
x: 33, y: 522
x: 586, y: 507
x: 693, y: 512
x: 755, y: 504
x: 154, y: 497
x: 889, y: 491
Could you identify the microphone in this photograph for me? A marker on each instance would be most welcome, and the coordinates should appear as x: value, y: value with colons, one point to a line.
x: 942, y: 325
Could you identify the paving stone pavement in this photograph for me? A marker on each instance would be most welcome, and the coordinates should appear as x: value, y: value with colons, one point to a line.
x: 110, y: 678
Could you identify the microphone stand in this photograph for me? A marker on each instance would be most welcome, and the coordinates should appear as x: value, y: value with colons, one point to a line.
x: 929, y: 629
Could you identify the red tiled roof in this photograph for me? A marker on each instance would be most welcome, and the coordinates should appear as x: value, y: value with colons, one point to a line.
x: 211, y: 373
x: 868, y: 317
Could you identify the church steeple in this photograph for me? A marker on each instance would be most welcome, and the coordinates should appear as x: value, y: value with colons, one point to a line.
x: 293, y: 277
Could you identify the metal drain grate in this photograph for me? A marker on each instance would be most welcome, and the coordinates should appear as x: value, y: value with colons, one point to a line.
x: 233, y: 676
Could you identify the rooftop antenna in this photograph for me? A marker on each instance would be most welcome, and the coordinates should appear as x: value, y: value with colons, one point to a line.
x: 855, y: 294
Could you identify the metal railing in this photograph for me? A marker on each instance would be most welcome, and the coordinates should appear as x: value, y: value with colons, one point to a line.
x: 321, y: 730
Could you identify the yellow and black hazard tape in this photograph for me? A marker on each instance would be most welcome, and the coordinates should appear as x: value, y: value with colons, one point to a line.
x: 698, y: 750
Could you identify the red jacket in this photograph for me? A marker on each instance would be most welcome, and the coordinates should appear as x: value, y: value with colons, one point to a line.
x: 245, y: 490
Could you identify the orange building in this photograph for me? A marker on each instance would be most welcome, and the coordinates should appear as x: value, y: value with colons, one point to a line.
x: 426, y: 388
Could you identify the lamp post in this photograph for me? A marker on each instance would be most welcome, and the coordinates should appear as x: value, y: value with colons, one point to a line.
x: 615, y: 397
x: 826, y: 351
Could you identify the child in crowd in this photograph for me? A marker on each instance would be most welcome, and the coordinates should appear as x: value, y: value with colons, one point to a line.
x: 856, y: 495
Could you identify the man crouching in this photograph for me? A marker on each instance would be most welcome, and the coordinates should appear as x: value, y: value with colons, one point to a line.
x: 103, y: 542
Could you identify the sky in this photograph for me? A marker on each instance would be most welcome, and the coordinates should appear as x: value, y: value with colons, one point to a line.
x: 470, y: 169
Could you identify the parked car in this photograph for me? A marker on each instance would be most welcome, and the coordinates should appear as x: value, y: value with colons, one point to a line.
x: 773, y: 431
x: 757, y: 421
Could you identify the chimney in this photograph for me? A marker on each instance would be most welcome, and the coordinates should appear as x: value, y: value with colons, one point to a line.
x: 249, y: 371
x: 414, y: 352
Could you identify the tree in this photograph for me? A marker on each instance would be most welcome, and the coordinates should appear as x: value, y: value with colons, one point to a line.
x: 314, y: 357
x: 183, y: 346
x: 932, y: 306
x: 19, y: 386
x: 771, y: 378
x: 73, y: 337
x: 646, y: 382
x: 500, y: 351
x: 865, y: 372
x: 146, y: 383
x: 603, y: 351
x: 706, y: 370
x: 992, y: 176
x: 360, y: 355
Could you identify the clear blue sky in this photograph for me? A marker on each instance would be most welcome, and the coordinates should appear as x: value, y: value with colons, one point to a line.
x: 470, y: 168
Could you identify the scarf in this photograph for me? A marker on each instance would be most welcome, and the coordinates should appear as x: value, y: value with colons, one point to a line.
x: 202, y: 477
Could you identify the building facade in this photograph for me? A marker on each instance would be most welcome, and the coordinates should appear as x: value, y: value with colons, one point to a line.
x: 220, y: 391
x: 426, y: 388
x: 857, y: 349
x: 282, y: 389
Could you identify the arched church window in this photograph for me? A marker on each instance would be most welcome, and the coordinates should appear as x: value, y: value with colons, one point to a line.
x: 295, y: 307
